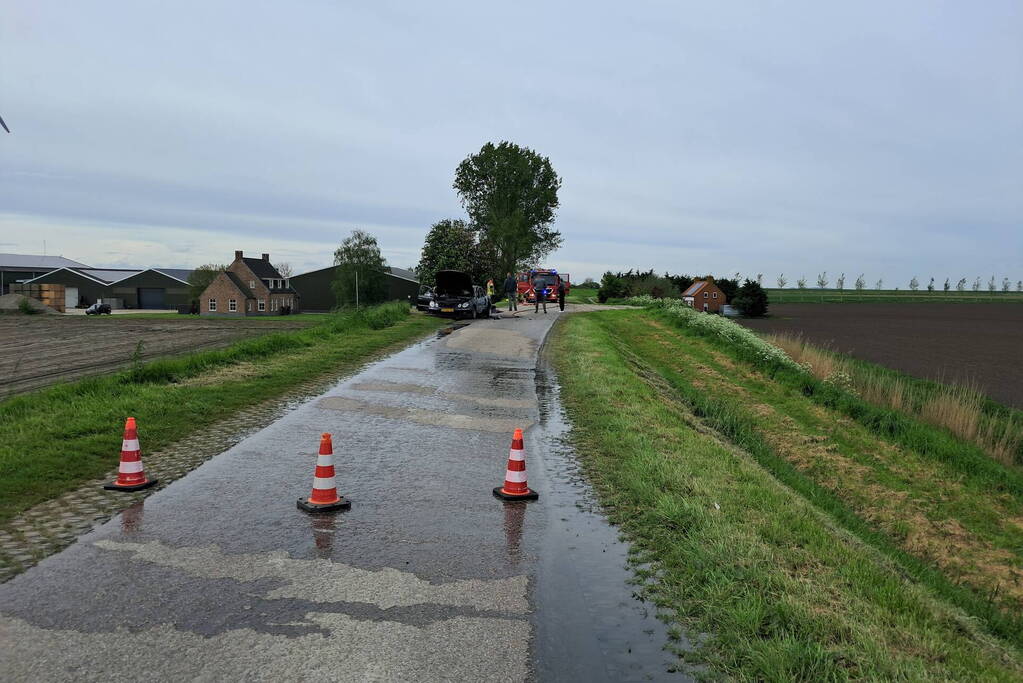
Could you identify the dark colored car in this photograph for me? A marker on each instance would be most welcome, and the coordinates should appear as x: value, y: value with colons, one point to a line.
x: 456, y: 295
x: 98, y: 309
x: 424, y: 298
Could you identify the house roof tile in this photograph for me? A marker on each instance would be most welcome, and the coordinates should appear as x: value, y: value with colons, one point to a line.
x: 262, y: 269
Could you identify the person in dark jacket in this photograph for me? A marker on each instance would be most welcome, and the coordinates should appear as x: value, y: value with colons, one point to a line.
x: 511, y: 290
x: 540, y: 292
x: 561, y: 293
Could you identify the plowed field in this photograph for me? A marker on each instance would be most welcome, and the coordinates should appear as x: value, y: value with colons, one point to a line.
x: 958, y: 343
x: 43, y: 350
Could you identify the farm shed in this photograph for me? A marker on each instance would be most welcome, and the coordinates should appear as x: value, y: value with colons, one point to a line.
x: 82, y: 286
x: 153, y: 288
x: 21, y: 267
x: 121, y: 287
x: 317, y: 295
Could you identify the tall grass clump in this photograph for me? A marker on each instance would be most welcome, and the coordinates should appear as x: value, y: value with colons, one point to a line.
x: 959, y: 409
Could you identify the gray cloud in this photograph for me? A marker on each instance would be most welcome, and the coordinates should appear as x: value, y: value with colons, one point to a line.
x: 773, y: 137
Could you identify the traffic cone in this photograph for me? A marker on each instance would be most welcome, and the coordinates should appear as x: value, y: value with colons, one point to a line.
x: 130, y: 475
x: 515, y: 478
x: 324, y: 497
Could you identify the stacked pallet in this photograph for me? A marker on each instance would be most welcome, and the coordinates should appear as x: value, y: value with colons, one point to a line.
x: 49, y: 295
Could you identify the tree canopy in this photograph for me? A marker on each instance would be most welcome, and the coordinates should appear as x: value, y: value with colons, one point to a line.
x: 358, y: 260
x: 202, y: 277
x: 751, y: 299
x: 510, y: 194
x: 452, y: 244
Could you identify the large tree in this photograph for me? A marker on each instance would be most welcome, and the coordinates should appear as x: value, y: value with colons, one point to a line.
x: 359, y: 262
x: 452, y: 244
x: 510, y: 194
x: 201, y: 278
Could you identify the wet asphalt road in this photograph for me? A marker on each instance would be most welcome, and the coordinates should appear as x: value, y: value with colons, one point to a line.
x: 428, y: 577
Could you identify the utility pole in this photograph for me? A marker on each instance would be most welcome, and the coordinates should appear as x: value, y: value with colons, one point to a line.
x: 356, y: 288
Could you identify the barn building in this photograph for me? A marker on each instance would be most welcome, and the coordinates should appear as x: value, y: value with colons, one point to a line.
x: 704, y: 295
x: 317, y: 295
x: 152, y: 288
x: 16, y: 268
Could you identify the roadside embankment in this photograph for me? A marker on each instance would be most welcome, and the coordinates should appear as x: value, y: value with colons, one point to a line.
x: 805, y: 535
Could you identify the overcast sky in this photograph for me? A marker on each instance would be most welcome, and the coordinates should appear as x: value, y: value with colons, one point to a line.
x: 795, y: 137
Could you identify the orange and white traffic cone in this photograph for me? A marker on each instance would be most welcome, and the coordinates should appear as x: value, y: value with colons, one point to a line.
x: 324, y: 497
x: 130, y: 475
x: 515, y: 478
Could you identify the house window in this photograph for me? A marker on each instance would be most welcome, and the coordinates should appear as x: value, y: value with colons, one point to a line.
x: 715, y: 295
x: 705, y: 295
x: 252, y: 284
x: 262, y: 304
x: 248, y: 305
x: 287, y: 283
x: 213, y: 305
x: 273, y: 304
x: 232, y: 305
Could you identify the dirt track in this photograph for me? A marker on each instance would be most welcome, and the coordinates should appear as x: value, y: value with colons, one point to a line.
x: 43, y: 350
x: 961, y: 343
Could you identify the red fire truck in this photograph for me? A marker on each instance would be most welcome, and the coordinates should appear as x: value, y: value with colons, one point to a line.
x: 548, y: 279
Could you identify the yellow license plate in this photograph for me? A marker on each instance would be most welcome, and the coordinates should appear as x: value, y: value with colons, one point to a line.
x: 447, y: 310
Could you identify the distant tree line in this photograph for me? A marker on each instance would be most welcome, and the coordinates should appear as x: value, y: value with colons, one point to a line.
x: 748, y: 296
x: 1006, y: 284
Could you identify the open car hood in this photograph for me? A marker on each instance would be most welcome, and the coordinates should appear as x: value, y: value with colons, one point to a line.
x: 453, y: 283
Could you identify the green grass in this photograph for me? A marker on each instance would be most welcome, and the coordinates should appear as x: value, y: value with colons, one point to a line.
x: 781, y: 572
x: 54, y: 439
x: 852, y: 296
x: 581, y: 295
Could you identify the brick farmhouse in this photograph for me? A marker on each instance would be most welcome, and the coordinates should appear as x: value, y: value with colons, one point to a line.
x: 249, y: 286
x: 704, y: 295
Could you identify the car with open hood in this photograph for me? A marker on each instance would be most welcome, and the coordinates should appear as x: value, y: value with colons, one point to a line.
x: 455, y: 295
x: 424, y: 298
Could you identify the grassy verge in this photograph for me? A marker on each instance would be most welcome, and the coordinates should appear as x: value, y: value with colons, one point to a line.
x: 581, y: 295
x: 888, y: 296
x: 792, y: 553
x: 54, y: 439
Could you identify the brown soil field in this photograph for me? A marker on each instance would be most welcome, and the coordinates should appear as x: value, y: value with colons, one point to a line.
x: 41, y: 350
x: 956, y: 343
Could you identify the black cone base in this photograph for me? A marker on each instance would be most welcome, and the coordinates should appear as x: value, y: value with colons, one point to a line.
x: 134, y: 487
x: 529, y: 495
x: 304, y: 504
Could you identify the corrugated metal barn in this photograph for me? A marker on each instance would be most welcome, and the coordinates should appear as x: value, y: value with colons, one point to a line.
x: 316, y: 294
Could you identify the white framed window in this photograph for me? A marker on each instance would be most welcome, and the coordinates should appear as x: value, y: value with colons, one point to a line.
x: 287, y: 283
x: 273, y: 304
x: 262, y: 304
x: 715, y: 295
x: 232, y: 305
x: 252, y: 284
x: 248, y: 305
x: 213, y: 305
x: 705, y: 295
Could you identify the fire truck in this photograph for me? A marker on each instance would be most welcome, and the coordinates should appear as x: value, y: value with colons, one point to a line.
x: 549, y: 279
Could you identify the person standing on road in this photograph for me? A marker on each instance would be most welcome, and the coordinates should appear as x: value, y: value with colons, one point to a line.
x: 561, y: 293
x: 539, y: 294
x: 511, y: 289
